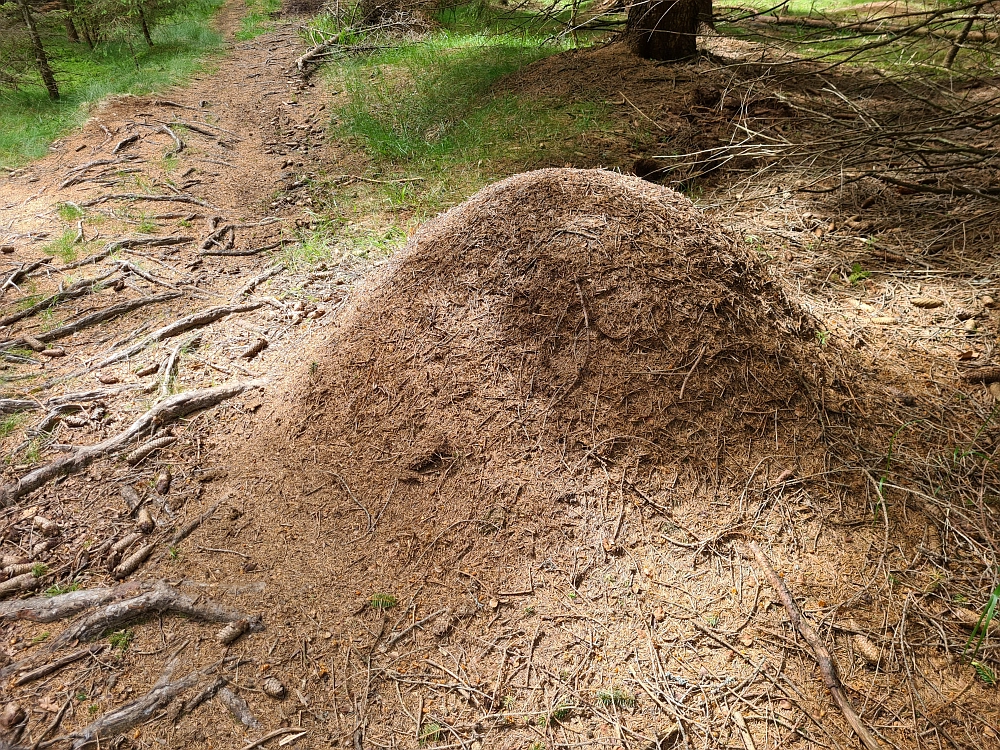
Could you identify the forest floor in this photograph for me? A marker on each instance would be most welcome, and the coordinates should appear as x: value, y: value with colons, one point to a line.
x: 399, y: 563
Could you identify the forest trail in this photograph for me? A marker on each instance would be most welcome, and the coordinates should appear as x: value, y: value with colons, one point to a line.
x: 497, y: 493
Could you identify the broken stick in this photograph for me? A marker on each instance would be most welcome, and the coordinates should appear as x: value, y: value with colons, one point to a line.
x: 824, y: 658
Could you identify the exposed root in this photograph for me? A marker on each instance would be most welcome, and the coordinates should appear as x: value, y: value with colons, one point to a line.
x: 238, y: 708
x: 166, y: 411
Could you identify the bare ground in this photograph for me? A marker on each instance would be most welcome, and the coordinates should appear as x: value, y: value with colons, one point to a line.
x: 463, y: 520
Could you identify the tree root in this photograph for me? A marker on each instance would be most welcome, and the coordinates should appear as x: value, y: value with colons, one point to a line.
x: 53, y: 608
x: 141, y: 197
x: 161, y: 599
x: 100, y: 316
x: 166, y: 411
x: 826, y: 661
x: 238, y: 708
x: 54, y: 666
x: 77, y: 289
x: 196, y: 320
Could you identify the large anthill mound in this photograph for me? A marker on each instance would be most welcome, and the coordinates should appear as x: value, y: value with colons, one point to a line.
x: 555, y: 320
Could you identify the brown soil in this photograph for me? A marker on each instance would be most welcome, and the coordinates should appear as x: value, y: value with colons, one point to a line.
x: 544, y: 431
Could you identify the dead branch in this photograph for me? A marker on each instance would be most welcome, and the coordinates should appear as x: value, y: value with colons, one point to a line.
x: 254, y: 251
x: 125, y: 143
x: 22, y: 273
x: 219, y: 237
x: 135, y: 713
x: 178, y: 143
x: 123, y: 244
x: 108, y: 313
x: 258, y: 280
x: 14, y: 405
x: 187, y: 529
x: 878, y: 28
x: 195, y: 320
x: 166, y: 411
x: 824, y: 658
x: 96, y: 395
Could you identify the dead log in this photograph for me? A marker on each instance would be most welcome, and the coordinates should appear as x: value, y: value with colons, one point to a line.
x: 165, y: 411
x: 195, y: 320
x: 178, y: 198
x: 108, y: 313
x: 824, y: 658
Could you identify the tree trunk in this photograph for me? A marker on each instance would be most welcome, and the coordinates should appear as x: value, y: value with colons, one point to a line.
x: 145, y: 28
x: 666, y: 29
x: 41, y: 60
x: 71, y: 32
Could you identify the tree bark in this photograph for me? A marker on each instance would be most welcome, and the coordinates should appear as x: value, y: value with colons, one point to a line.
x: 71, y: 32
x: 41, y: 60
x: 145, y: 27
x: 666, y: 29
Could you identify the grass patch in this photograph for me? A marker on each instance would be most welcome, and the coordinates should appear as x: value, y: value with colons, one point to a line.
x: 259, y: 20
x: 29, y: 121
x: 10, y: 423
x: 434, y: 124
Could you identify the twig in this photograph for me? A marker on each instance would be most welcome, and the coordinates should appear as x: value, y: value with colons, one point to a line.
x: 825, y: 659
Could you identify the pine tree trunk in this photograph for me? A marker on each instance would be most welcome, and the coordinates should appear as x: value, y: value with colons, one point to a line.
x: 666, y: 29
x: 71, y: 32
x: 145, y: 28
x: 41, y: 60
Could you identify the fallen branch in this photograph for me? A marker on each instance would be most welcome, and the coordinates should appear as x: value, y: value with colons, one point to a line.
x: 312, y: 54
x: 108, y: 313
x: 255, y: 251
x: 826, y: 661
x: 258, y: 280
x: 125, y: 143
x: 123, y: 244
x: 238, y: 708
x: 135, y: 713
x: 162, y: 599
x: 178, y: 143
x: 166, y: 411
x: 877, y: 28
x: 14, y: 405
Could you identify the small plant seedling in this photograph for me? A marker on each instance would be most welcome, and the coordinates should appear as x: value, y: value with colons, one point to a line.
x: 313, y: 368
x: 560, y: 713
x: 39, y: 570
x: 41, y: 637
x: 858, y: 274
x: 383, y: 602
x: 81, y: 696
x: 174, y: 553
x: 822, y: 337
x: 57, y: 589
x: 982, y: 626
x: 615, y: 698
x: 536, y: 746
x: 121, y: 639
x: 984, y: 673
x: 93, y: 708
x: 69, y: 211
x: 431, y: 732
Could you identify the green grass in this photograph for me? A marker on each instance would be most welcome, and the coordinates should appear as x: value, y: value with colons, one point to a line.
x: 436, y: 123
x: 383, y: 601
x: 29, y: 122
x: 258, y: 20
x: 10, y: 423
